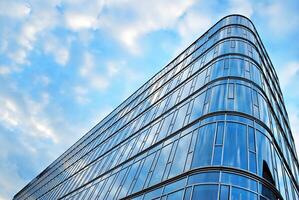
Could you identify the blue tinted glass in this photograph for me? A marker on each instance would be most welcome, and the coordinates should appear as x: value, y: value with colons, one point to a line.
x: 217, y: 70
x: 263, y: 110
x: 240, y: 194
x: 243, y: 103
x: 197, y: 107
x: 165, y: 126
x: 217, y: 155
x: 160, y: 165
x: 252, y: 162
x: 236, y: 67
x: 180, y: 156
x: 188, y: 193
x: 205, y: 192
x: 238, y: 180
x: 200, y: 80
x: 218, y: 98
x: 204, y: 145
x: 180, y: 117
x: 264, y: 158
x: 207, y: 177
x: 224, y: 192
x: 153, y: 194
x: 175, y: 195
x: 251, y: 139
x: 219, y: 135
x: 174, y: 186
x: 143, y: 173
x: 235, y: 148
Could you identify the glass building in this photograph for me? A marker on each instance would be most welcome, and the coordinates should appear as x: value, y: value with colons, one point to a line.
x: 212, y: 124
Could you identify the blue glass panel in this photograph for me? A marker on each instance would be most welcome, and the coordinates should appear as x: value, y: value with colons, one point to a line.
x: 217, y: 155
x: 235, y: 146
x: 239, y: 180
x: 176, y: 195
x: 143, y: 173
x: 224, y: 192
x: 204, y: 146
x: 218, y: 95
x: 153, y: 194
x: 180, y: 156
x: 205, y: 192
x: 243, y: 100
x: 180, y: 117
x: 188, y: 193
x: 217, y: 70
x: 236, y: 67
x: 264, y: 157
x: 165, y: 127
x: 174, y: 186
x: 240, y: 194
x: 160, y: 165
x: 206, y: 177
x: 197, y: 107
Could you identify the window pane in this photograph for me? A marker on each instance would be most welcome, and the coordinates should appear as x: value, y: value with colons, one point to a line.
x: 197, y: 107
x: 240, y: 194
x: 207, y: 177
x: 243, y: 103
x: 224, y: 192
x: 180, y: 156
x: 206, y: 192
x: 235, y: 148
x: 239, y: 180
x: 218, y: 98
x: 204, y: 145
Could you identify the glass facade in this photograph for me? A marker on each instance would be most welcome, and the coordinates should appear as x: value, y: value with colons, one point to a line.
x: 210, y: 125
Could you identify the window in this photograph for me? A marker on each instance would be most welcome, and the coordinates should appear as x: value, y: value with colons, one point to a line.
x: 235, y: 148
x: 218, y: 98
x: 243, y: 103
x: 207, y: 177
x: 240, y: 194
x: 204, y: 146
x: 209, y: 192
x: 180, y: 156
x: 197, y: 107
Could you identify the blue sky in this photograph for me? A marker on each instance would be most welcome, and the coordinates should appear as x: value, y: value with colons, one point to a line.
x: 64, y: 65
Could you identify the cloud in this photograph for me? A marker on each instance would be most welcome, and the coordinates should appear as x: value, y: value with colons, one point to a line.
x: 243, y: 7
x: 288, y: 73
x: 14, y: 9
x: 142, y: 20
x: 281, y: 16
x: 78, y: 21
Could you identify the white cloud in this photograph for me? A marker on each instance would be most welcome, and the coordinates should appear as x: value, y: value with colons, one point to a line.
x: 14, y: 9
x: 145, y: 20
x: 58, y: 48
x: 288, y: 73
x: 281, y: 16
x: 78, y: 21
x: 243, y: 7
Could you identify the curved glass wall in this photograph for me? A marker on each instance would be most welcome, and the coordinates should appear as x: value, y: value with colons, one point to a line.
x: 212, y: 123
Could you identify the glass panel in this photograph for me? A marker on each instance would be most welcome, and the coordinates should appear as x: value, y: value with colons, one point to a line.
x: 160, y: 165
x: 180, y: 156
x: 206, y: 192
x: 235, y: 148
x: 239, y: 180
x: 204, y: 178
x: 219, y: 136
x: 224, y: 192
x: 180, y: 117
x: 174, y: 186
x: 218, y: 98
x: 197, y: 107
x: 143, y: 173
x: 165, y: 127
x: 217, y: 155
x: 243, y: 100
x: 240, y: 194
x: 204, y: 146
x: 264, y: 158
x: 175, y: 195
